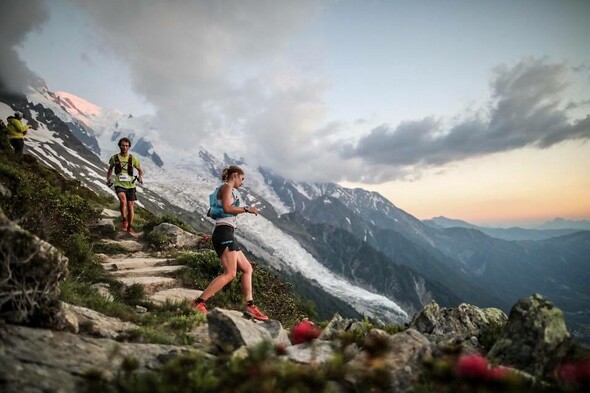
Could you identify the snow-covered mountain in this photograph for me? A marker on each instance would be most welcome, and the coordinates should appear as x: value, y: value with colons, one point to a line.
x: 96, y: 127
x: 330, y: 241
x: 186, y: 184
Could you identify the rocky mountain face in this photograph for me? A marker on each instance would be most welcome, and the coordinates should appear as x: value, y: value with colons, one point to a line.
x: 468, y: 263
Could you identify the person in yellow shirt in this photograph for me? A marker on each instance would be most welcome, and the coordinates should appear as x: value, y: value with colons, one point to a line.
x: 16, y: 132
x: 123, y: 164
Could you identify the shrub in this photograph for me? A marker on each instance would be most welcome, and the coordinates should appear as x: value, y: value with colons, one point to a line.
x: 53, y: 208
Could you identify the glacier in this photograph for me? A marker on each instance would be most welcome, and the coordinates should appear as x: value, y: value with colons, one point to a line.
x: 185, y: 180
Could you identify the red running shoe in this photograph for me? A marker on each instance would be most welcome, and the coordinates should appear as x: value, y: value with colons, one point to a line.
x: 253, y: 312
x: 200, y: 307
x: 130, y: 230
x: 124, y: 226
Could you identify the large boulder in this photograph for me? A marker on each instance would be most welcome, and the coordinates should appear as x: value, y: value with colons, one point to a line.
x: 31, y: 270
x: 533, y: 338
x: 39, y: 360
x: 93, y: 323
x: 176, y: 237
x: 104, y: 226
x: 464, y: 323
x: 229, y: 330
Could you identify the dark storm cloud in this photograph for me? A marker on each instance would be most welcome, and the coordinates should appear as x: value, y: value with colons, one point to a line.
x: 18, y: 19
x: 526, y: 110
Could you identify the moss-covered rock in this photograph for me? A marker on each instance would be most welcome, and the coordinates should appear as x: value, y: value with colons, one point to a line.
x: 532, y: 338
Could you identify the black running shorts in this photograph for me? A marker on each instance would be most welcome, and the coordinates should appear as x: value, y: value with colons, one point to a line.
x: 129, y: 193
x: 223, y: 236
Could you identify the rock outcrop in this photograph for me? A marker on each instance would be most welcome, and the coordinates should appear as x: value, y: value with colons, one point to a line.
x: 534, y: 338
x: 229, y: 330
x: 176, y: 237
x: 39, y: 360
x: 30, y: 271
x: 465, y: 324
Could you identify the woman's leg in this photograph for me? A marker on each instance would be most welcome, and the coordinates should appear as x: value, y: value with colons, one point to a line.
x: 229, y: 264
x: 246, y: 267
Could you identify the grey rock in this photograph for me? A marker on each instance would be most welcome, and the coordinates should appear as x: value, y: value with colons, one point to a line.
x: 339, y: 325
x: 39, y: 360
x: 126, y: 245
x: 110, y: 213
x: 177, y: 237
x: 102, y: 258
x: 314, y: 352
x: 5, y: 192
x: 103, y: 290
x: 99, y: 325
x: 104, y: 226
x: 229, y: 330
x: 534, y: 338
x: 465, y: 323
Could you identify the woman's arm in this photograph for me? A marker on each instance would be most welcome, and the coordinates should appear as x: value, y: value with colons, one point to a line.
x: 225, y: 194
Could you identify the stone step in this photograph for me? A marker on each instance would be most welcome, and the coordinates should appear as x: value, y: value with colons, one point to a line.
x: 133, y: 263
x: 146, y: 271
x: 175, y: 295
x: 150, y: 284
x: 126, y: 245
x: 110, y: 213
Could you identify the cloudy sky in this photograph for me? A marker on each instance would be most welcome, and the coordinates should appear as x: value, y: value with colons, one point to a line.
x: 477, y: 110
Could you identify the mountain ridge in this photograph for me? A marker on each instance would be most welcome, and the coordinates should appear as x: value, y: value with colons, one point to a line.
x: 513, y: 233
x: 184, y: 185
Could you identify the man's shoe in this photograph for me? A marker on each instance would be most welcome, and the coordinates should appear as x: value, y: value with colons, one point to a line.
x: 200, y: 307
x: 253, y: 312
x: 124, y: 225
x: 130, y: 230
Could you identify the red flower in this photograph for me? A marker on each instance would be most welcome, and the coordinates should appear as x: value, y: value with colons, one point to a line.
x: 472, y: 366
x: 304, y: 331
x: 567, y: 372
x: 584, y: 372
x: 575, y: 373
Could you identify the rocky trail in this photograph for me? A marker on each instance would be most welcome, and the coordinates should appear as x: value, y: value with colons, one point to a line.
x: 138, y: 267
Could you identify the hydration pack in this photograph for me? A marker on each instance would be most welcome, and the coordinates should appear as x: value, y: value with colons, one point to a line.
x: 215, y: 209
x: 119, y: 167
